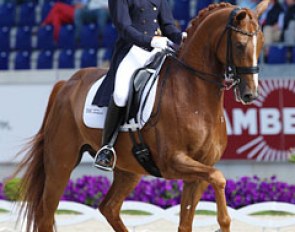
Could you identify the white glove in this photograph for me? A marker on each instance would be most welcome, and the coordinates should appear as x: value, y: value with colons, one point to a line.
x: 184, y: 36
x: 160, y: 42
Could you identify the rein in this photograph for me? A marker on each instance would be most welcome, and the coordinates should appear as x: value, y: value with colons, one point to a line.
x: 200, y: 74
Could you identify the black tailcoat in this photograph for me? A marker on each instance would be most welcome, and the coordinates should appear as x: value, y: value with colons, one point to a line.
x: 136, y: 21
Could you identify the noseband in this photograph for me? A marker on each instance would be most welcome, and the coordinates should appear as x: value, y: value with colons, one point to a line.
x: 232, y: 72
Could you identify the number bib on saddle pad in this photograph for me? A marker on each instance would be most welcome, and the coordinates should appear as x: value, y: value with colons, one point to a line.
x: 94, y: 116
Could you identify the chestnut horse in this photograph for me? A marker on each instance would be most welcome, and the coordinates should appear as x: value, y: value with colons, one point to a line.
x: 186, y: 134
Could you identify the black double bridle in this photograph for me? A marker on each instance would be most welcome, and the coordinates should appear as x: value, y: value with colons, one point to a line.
x: 232, y: 72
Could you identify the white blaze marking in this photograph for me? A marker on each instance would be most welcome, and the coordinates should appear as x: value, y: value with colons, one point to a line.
x: 255, y: 62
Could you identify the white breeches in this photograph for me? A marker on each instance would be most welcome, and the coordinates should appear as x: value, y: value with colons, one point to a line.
x: 135, y: 59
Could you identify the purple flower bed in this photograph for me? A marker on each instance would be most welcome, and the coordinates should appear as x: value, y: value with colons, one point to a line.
x: 1, y: 192
x: 166, y: 193
x: 87, y: 190
x: 245, y: 191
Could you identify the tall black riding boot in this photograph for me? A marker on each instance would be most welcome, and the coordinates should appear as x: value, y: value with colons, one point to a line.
x: 106, y: 157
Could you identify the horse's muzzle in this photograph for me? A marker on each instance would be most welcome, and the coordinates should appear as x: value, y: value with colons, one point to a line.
x: 246, y: 97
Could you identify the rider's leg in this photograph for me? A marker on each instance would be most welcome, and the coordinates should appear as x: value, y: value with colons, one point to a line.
x: 135, y: 59
x: 104, y: 158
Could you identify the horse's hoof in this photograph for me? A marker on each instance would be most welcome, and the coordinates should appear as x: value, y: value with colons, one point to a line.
x: 219, y: 230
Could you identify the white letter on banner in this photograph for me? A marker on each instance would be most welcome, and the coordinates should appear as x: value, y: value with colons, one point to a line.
x: 247, y: 120
x: 270, y: 121
x: 289, y: 121
x: 228, y: 124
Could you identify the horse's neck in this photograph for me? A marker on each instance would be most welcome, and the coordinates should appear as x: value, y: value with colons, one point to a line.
x: 200, y: 49
x: 202, y: 92
x: 187, y: 94
x: 200, y: 53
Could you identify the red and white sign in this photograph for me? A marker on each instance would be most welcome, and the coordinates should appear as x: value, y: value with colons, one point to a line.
x: 264, y: 130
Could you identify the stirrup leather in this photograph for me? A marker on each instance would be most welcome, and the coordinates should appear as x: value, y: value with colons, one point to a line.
x: 109, y: 169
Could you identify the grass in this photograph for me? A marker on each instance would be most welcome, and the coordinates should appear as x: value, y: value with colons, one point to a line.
x: 143, y: 213
x: 3, y: 211
x: 272, y: 213
x: 205, y: 213
x: 59, y: 212
x: 68, y: 212
x: 211, y: 213
x: 135, y: 212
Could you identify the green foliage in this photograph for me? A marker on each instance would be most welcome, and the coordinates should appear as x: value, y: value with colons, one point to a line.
x: 12, y: 189
x: 292, y: 158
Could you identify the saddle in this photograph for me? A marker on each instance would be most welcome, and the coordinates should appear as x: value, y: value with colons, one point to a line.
x: 139, y: 81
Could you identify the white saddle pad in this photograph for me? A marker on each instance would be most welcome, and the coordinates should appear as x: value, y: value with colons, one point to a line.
x: 94, y: 116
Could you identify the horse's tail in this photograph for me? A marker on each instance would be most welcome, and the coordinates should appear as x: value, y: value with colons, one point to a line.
x: 32, y: 186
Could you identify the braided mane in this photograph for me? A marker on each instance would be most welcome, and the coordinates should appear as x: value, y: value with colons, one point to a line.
x: 195, y: 22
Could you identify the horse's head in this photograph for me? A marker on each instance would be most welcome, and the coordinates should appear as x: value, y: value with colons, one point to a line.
x: 242, y: 42
x: 226, y: 38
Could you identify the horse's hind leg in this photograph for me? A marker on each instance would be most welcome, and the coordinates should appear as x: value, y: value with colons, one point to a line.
x: 55, y: 184
x: 190, y: 170
x: 123, y: 184
x: 59, y: 161
x: 54, y: 188
x: 192, y: 193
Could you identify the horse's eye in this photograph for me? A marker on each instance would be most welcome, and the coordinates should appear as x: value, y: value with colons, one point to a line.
x: 241, y: 46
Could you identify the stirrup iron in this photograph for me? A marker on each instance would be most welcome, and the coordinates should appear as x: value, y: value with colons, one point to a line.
x: 109, y: 169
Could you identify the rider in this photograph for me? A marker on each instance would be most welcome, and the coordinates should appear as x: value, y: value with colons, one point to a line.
x: 144, y: 27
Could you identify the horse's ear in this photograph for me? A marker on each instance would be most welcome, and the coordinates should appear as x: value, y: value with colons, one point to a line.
x: 241, y: 15
x: 261, y: 7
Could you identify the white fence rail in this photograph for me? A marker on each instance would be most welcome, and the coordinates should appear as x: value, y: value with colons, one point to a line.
x: 86, y: 213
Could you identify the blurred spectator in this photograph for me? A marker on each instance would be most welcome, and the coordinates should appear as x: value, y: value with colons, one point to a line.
x: 171, y: 2
x: 95, y: 11
x: 251, y: 4
x: 288, y: 34
x: 271, y: 22
x: 18, y: 1
x: 233, y: 2
x: 61, y: 14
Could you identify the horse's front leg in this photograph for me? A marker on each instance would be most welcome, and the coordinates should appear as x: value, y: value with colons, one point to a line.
x: 222, y: 213
x: 190, y: 170
x: 192, y: 193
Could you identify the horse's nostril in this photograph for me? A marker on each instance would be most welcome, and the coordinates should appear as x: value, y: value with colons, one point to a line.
x: 248, y: 97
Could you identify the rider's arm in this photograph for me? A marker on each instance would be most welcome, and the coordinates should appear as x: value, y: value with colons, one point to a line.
x: 119, y: 12
x: 167, y: 23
